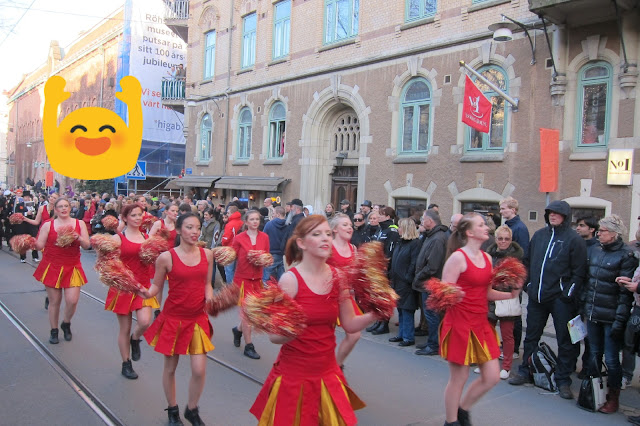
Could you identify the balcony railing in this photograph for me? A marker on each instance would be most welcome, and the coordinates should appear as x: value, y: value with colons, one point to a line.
x: 173, y: 88
x: 176, y: 9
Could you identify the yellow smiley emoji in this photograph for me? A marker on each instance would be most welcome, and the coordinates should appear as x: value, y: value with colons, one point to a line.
x: 92, y: 143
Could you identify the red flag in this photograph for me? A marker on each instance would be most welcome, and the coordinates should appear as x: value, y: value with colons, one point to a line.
x: 476, y: 108
x: 549, y: 159
x: 48, y: 179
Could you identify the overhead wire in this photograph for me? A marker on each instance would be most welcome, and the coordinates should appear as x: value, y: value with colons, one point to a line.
x: 16, y: 24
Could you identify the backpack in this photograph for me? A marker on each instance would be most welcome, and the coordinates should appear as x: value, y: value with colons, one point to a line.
x: 542, y: 364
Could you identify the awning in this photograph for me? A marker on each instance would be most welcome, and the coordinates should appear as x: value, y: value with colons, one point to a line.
x: 192, y: 181
x: 250, y: 183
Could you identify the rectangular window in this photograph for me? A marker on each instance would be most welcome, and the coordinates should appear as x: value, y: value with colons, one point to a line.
x: 341, y: 20
x: 244, y: 143
x: 594, y: 114
x: 209, y: 55
x: 276, y: 139
x: 281, y: 29
x: 249, y: 40
x: 419, y: 9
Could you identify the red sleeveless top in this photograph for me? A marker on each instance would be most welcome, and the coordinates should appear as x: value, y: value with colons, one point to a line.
x: 172, y: 234
x: 475, y: 283
x: 130, y: 256
x: 68, y: 256
x: 339, y: 261
x: 186, y: 298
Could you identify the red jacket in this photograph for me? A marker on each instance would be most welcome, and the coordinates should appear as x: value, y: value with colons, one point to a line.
x: 88, y: 214
x: 242, y: 245
x: 232, y: 228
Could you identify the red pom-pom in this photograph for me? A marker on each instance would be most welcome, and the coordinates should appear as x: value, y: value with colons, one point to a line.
x: 442, y: 295
x: 224, y: 255
x: 201, y: 244
x: 147, y: 222
x: 22, y: 243
x: 260, y: 258
x: 164, y: 233
x: 273, y: 311
x: 114, y: 273
x: 104, y: 246
x: 508, y: 275
x: 110, y: 223
x: 152, y: 248
x: 66, y: 236
x: 368, y: 278
x: 224, y: 299
x: 16, y: 218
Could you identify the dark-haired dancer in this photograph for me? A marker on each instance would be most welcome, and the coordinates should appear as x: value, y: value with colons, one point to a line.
x: 168, y: 223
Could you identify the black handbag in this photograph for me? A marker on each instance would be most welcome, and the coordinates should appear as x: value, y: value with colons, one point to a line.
x: 593, y: 392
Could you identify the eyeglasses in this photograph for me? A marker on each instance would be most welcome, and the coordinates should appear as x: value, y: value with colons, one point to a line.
x: 356, y: 219
x: 503, y: 239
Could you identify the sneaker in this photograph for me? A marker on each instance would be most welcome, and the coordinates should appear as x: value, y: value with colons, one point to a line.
x: 565, y: 392
x: 429, y: 351
x: 626, y: 381
x: 23, y: 260
x: 516, y: 355
x: 250, y: 351
x: 501, y: 357
x: 237, y: 335
x: 53, y: 339
x: 504, y: 374
x: 127, y: 370
x: 193, y: 416
x: 476, y: 370
x: 37, y: 259
x: 519, y: 380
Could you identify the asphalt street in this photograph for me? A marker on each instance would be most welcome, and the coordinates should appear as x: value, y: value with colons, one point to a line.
x: 399, y: 387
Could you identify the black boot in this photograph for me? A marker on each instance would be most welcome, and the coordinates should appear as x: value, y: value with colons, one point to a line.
x: 373, y: 326
x: 53, y: 339
x: 463, y: 417
x: 250, y: 351
x: 383, y: 329
x: 127, y: 370
x: 174, y: 416
x: 46, y: 303
x: 237, y: 335
x: 66, y: 329
x: 193, y: 416
x: 135, y: 348
x: 155, y: 315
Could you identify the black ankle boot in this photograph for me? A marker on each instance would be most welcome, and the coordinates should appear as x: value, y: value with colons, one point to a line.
x: 135, y: 348
x: 382, y: 329
x: 373, y: 326
x: 53, y: 339
x: 193, y: 416
x: 464, y: 417
x: 46, y: 303
x: 66, y: 329
x: 250, y: 351
x: 174, y: 416
x: 237, y: 335
x: 127, y: 370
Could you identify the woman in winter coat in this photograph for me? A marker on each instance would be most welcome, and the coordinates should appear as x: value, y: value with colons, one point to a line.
x: 607, y: 304
x: 210, y: 227
x: 504, y: 247
x: 403, y: 267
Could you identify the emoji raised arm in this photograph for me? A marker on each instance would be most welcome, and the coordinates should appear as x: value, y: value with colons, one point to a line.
x: 54, y: 95
x: 131, y: 95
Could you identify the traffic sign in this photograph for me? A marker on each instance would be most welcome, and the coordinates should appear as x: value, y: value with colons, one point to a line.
x: 139, y: 172
x: 189, y: 171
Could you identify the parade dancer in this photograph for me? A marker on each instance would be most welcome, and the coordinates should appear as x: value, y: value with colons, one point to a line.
x: 183, y: 327
x: 124, y: 303
x: 60, y: 267
x: 168, y: 223
x: 248, y: 276
x: 306, y: 386
x: 466, y: 337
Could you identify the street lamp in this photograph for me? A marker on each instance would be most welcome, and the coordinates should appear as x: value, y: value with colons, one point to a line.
x: 340, y: 158
x: 503, y: 31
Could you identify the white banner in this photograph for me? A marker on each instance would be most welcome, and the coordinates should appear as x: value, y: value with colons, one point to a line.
x: 155, y: 49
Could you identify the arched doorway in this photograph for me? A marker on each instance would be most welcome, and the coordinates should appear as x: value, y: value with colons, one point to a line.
x: 345, y: 143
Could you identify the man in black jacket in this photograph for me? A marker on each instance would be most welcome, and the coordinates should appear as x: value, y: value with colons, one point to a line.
x: 296, y: 216
x: 557, y: 267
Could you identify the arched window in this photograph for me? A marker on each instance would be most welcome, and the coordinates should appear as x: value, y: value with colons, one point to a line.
x: 205, y: 138
x: 244, y: 134
x: 416, y: 122
x: 277, y: 130
x: 495, y: 139
x: 594, y: 104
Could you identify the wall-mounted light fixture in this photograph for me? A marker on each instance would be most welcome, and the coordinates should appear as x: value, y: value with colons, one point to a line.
x: 503, y: 31
x: 340, y: 158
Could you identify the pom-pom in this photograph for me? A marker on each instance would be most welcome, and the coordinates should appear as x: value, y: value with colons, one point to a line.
x: 110, y: 223
x: 508, y: 275
x: 273, y: 311
x: 66, y: 236
x: 201, y: 244
x: 147, y: 222
x: 224, y: 299
x: 164, y: 233
x: 104, y: 246
x: 442, y: 295
x: 224, y: 255
x: 16, y: 218
x: 368, y: 278
x: 152, y: 248
x: 22, y: 243
x: 114, y: 273
x: 260, y: 258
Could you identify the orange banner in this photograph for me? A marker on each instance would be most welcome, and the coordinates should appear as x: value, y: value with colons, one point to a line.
x: 48, y: 179
x: 549, y: 159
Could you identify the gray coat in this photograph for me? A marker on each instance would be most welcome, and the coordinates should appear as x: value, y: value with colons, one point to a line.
x: 431, y: 258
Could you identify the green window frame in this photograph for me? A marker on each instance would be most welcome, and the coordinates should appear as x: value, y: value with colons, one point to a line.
x: 495, y: 140
x: 419, y: 9
x: 277, y: 130
x: 206, y: 134
x: 594, y: 105
x: 209, y: 55
x: 341, y: 20
x: 249, y: 26
x: 281, y: 29
x: 415, y: 117
x: 244, y: 134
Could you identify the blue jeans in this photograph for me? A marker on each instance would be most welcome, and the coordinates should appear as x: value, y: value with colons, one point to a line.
x: 433, y: 322
x: 600, y: 343
x: 406, y: 330
x: 230, y: 271
x: 276, y: 270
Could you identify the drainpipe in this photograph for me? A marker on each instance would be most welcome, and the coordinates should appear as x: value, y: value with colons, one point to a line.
x: 226, y: 121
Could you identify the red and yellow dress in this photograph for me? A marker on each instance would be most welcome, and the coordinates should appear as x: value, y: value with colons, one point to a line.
x: 123, y: 302
x: 338, y: 261
x: 60, y: 266
x: 248, y: 276
x: 172, y: 234
x: 305, y: 385
x: 466, y: 337
x: 183, y: 327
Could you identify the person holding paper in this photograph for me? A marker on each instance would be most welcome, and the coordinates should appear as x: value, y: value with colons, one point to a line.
x: 607, y: 304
